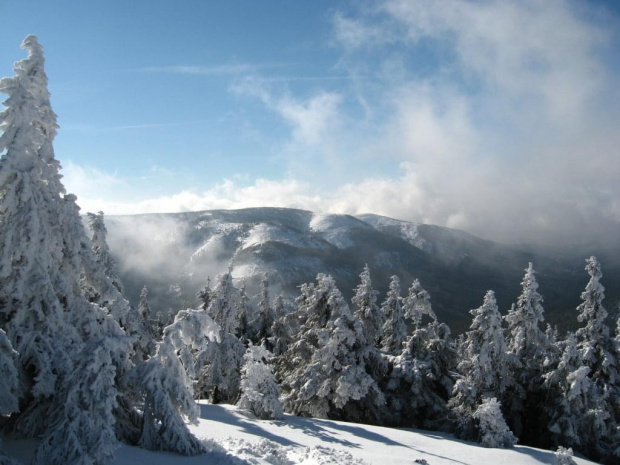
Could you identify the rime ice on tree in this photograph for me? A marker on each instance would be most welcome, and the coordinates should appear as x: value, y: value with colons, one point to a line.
x: 260, y: 393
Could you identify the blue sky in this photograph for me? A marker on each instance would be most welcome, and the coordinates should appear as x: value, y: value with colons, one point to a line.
x: 497, y: 117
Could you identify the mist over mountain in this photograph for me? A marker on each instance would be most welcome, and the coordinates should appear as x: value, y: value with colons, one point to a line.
x: 174, y: 255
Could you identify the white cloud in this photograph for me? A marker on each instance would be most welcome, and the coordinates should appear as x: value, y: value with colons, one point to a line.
x: 513, y: 138
x: 309, y: 118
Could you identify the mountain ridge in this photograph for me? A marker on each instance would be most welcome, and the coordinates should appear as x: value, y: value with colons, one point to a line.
x: 291, y: 246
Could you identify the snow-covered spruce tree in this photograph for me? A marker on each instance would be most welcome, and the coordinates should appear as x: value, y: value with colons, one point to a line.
x: 573, y: 413
x: 420, y: 381
x: 598, y: 349
x: 494, y: 431
x: 322, y: 371
x: 595, y: 342
x: 265, y: 317
x: 484, y: 369
x: 280, y: 330
x: 166, y: 380
x: 44, y: 255
x: 246, y: 331
x: 368, y: 325
x: 417, y: 304
x: 224, y: 304
x: 103, y: 286
x: 260, y: 393
x: 394, y: 329
x: 366, y: 309
x: 564, y: 456
x: 154, y: 323
x: 101, y: 248
x: 84, y: 430
x: 219, y: 366
x: 528, y: 344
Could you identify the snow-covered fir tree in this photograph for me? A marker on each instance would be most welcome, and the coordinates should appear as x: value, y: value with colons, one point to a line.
x: 44, y: 256
x: 417, y: 304
x: 598, y: 349
x: 394, y: 329
x: 573, y: 411
x: 322, y: 372
x: 280, y: 329
x: 166, y: 380
x: 246, y: 329
x: 484, y: 369
x: 368, y: 325
x: 224, y: 303
x: 103, y: 286
x: 87, y: 402
x: 595, y: 342
x: 154, y: 323
x: 260, y: 392
x: 101, y: 248
x: 528, y: 344
x: 60, y: 311
x: 219, y: 366
x: 494, y: 431
x: 266, y: 315
x: 420, y: 381
x: 564, y: 456
x: 366, y: 309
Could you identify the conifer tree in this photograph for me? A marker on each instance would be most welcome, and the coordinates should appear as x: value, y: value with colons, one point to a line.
x: 417, y: 304
x: 598, y: 349
x: 73, y: 353
x: 154, y: 323
x: 529, y: 346
x: 420, y: 380
x: 572, y: 408
x: 102, y: 250
x: 322, y: 371
x: 260, y: 393
x: 394, y: 329
x: 166, y: 379
x: 483, y: 369
x: 103, y: 286
x: 44, y: 254
x: 494, y: 431
x: 266, y: 316
x: 246, y: 327
x: 366, y: 310
x: 31, y: 304
x: 595, y: 343
x: 219, y: 366
x: 280, y: 330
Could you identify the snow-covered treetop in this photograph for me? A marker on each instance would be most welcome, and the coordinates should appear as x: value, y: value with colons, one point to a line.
x: 102, y: 250
x: 28, y: 123
x: 394, y: 328
x: 526, y: 338
x: 418, y: 303
x: 591, y: 310
x: 366, y: 309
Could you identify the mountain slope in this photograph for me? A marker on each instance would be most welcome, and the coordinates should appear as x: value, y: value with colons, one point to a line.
x: 292, y: 246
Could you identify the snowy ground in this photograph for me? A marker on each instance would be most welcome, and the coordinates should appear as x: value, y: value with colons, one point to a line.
x: 308, y: 441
